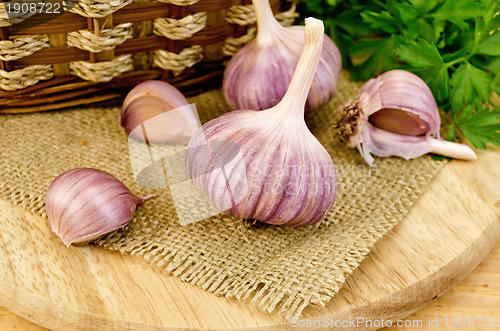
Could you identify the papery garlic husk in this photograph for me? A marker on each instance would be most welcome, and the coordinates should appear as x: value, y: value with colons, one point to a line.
x: 281, y: 174
x: 395, y: 114
x: 84, y: 204
x: 257, y: 76
x: 163, y: 108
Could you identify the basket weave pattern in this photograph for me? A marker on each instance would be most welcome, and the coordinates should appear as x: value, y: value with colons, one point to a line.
x: 98, y: 48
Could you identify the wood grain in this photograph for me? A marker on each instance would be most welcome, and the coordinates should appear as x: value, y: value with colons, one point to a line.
x: 450, y: 229
x: 478, y: 295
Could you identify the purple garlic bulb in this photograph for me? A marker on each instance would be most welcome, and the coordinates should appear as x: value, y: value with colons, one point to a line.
x: 279, y: 173
x: 259, y: 74
x: 395, y: 114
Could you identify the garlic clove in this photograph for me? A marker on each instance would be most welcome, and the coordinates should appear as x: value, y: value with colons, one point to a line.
x: 283, y: 175
x: 157, y: 88
x: 163, y: 108
x: 395, y: 114
x: 400, y: 122
x: 259, y: 74
x: 174, y: 126
x: 84, y: 204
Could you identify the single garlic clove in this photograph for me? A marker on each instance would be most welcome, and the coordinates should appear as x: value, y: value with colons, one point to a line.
x: 281, y: 174
x: 157, y: 111
x: 399, y: 121
x: 84, y: 204
x: 395, y: 114
x: 257, y: 76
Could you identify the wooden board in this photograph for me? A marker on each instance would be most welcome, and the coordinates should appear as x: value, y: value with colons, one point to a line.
x: 447, y: 233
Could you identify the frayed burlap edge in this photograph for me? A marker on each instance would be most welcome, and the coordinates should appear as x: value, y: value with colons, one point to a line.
x: 282, y: 270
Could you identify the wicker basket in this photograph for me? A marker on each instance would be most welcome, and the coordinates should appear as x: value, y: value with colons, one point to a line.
x: 95, y: 52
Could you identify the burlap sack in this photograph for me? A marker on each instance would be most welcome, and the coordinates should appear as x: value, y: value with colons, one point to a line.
x: 282, y: 270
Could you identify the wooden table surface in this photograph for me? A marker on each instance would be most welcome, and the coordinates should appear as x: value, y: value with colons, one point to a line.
x: 478, y: 295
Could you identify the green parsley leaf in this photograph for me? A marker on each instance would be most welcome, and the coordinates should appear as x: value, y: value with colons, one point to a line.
x: 490, y: 45
x: 467, y: 83
x: 496, y: 85
x: 437, y: 157
x: 458, y: 10
x: 451, y: 132
x: 379, y: 55
x: 453, y: 33
x: 428, y: 31
x: 494, y: 66
x: 437, y: 78
x: 383, y: 21
x: 332, y: 2
x: 481, y: 81
x: 344, y: 20
x: 407, y: 13
x: 481, y: 127
x: 492, y: 20
x: 419, y: 54
x: 424, y: 6
x: 428, y: 65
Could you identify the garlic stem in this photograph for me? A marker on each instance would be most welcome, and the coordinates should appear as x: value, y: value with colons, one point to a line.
x: 451, y: 149
x: 296, y: 95
x: 266, y: 22
x: 385, y: 143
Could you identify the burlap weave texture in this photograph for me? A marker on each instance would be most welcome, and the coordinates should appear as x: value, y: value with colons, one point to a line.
x: 283, y: 270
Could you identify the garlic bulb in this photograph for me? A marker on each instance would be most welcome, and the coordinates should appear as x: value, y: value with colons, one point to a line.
x: 156, y: 110
x: 396, y: 115
x: 83, y: 204
x: 258, y: 75
x: 287, y: 176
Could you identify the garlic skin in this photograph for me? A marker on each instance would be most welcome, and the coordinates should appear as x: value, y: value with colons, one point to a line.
x: 84, y: 204
x: 284, y: 175
x: 259, y: 74
x: 395, y: 114
x: 162, y: 107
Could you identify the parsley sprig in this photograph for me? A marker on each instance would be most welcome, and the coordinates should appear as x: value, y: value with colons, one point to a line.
x: 453, y: 45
